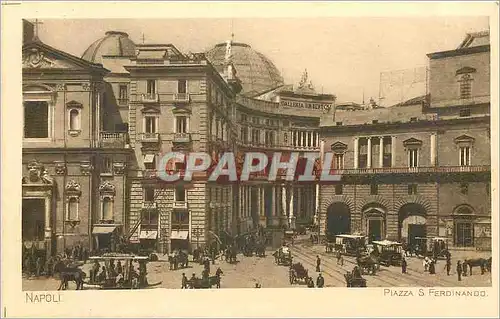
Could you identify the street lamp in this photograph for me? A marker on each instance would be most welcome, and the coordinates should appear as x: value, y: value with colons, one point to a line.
x: 319, y: 226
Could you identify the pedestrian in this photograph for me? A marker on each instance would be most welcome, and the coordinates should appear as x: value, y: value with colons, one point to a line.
x: 310, y: 282
x: 464, y: 268
x: 184, y: 281
x: 459, y: 270
x: 432, y: 267
x: 318, y: 264
x: 320, y: 281
x: 403, y: 266
x: 448, y: 266
x: 426, y: 264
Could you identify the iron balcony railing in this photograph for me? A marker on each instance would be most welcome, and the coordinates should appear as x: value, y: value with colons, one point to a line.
x: 113, y: 139
x: 150, y: 98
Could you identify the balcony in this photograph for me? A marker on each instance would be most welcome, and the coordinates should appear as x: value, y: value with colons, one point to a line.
x: 182, y: 137
x: 148, y: 205
x: 150, y: 98
x: 180, y: 205
x: 150, y: 137
x: 122, y: 102
x: 113, y: 139
x: 407, y: 170
x: 182, y: 98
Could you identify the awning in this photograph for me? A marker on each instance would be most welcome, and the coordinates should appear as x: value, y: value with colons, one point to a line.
x: 148, y: 234
x: 103, y: 230
x: 179, y: 234
x: 149, y: 158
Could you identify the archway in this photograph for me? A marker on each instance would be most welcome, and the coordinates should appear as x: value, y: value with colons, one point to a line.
x: 375, y: 221
x: 338, y: 219
x: 412, y: 223
x: 463, y: 220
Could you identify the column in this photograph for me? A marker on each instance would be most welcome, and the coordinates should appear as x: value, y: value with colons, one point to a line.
x: 291, y: 214
x: 262, y: 206
x: 381, y: 152
x: 433, y: 149
x: 283, y: 201
x: 369, y: 151
x: 273, y: 203
x: 356, y: 151
x: 393, y: 151
x: 300, y: 193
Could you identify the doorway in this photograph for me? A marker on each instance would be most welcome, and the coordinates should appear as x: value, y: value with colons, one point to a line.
x: 374, y: 229
x: 33, y: 219
x: 338, y: 220
x: 415, y: 230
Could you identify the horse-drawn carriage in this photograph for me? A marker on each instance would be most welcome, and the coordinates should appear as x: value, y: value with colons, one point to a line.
x: 298, y: 272
x: 205, y: 282
x: 121, y: 275
x: 350, y: 245
x: 389, y: 253
x: 283, y: 256
x: 354, y: 279
x: 434, y: 247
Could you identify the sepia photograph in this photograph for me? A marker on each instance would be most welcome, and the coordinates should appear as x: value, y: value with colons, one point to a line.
x: 256, y: 152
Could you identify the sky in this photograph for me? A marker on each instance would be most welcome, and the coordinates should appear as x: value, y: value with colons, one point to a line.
x: 343, y: 55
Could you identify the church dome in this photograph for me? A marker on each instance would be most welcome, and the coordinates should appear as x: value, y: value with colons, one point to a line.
x: 114, y: 43
x: 256, y: 72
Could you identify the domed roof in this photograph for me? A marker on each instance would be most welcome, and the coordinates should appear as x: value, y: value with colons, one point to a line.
x: 114, y: 43
x: 256, y: 72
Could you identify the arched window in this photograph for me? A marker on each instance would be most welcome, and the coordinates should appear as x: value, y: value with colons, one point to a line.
x: 74, y: 120
x: 107, y: 208
x: 73, y: 208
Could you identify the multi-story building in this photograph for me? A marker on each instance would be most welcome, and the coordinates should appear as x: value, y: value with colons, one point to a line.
x: 74, y: 184
x: 422, y: 167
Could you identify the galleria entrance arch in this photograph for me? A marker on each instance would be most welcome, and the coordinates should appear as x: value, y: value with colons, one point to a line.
x: 338, y: 219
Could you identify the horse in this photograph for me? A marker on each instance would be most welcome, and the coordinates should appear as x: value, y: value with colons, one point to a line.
x: 481, y: 262
x: 369, y: 262
x: 68, y: 274
x: 260, y: 249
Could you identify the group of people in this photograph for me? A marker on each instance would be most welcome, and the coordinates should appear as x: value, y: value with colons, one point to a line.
x: 116, y: 273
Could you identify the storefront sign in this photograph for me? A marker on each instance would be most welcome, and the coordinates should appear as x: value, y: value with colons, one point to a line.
x: 306, y: 105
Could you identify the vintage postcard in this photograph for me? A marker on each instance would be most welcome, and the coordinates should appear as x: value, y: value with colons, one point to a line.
x: 180, y: 160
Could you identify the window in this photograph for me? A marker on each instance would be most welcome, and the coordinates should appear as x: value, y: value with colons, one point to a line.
x: 149, y: 219
x: 149, y: 161
x: 339, y: 161
x: 464, y: 234
x: 269, y: 138
x: 373, y: 189
x: 464, y: 188
x: 387, y: 160
x: 180, y: 194
x: 363, y: 154
x: 464, y: 112
x: 413, y: 157
x: 149, y: 194
x: 255, y: 120
x: 243, y: 118
x: 151, y: 87
x: 465, y: 86
x: 339, y: 189
x: 123, y: 94
x: 107, y: 165
x: 150, y: 124
x: 73, y: 208
x: 181, y: 126
x: 36, y: 119
x: 339, y: 123
x: 465, y: 156
x: 255, y: 136
x: 107, y: 209
x: 180, y: 220
x: 181, y: 86
x: 412, y: 189
x: 74, y: 120
x: 244, y: 135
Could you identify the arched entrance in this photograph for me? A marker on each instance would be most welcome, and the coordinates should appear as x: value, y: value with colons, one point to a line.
x: 412, y: 222
x: 375, y: 224
x: 463, y: 220
x: 338, y: 219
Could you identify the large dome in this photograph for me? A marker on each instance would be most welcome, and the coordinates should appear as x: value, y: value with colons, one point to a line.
x: 114, y: 43
x: 256, y: 72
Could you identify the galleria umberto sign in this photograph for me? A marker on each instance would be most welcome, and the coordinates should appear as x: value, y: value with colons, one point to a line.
x: 306, y: 105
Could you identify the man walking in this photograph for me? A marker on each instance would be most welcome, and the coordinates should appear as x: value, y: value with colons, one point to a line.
x: 184, y: 281
x: 459, y: 270
x: 448, y: 266
x: 320, y: 281
x: 318, y: 264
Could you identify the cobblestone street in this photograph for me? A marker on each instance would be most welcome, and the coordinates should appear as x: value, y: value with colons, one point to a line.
x: 251, y: 270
